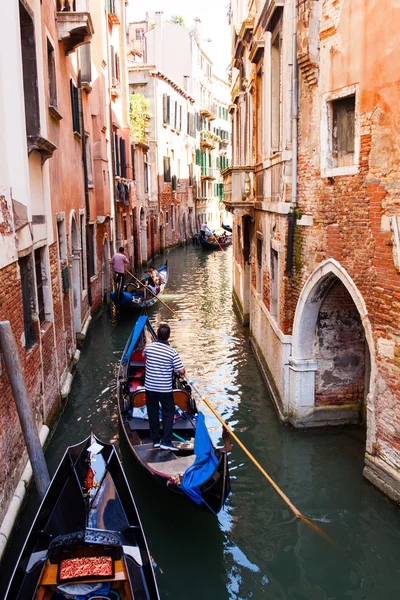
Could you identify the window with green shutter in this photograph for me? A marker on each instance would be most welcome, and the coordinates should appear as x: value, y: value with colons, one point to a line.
x: 198, y: 157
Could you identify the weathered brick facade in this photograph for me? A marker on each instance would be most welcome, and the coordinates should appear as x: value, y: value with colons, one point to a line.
x: 323, y: 273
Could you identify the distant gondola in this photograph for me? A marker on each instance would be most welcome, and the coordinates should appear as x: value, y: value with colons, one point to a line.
x: 134, y: 297
x: 167, y: 467
x: 215, y: 242
x: 227, y: 228
x: 87, y: 536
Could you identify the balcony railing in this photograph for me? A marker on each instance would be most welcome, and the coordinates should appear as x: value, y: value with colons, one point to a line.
x: 209, y: 173
x: 208, y: 110
x: 113, y: 12
x: 239, y: 187
x: 74, y: 23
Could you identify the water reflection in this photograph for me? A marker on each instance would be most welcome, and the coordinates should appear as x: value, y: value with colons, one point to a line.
x: 256, y: 549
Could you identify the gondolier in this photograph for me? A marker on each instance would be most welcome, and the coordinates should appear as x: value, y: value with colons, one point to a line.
x: 118, y: 262
x: 161, y: 362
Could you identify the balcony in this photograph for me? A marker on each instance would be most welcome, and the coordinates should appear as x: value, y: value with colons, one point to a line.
x: 113, y: 12
x: 208, y: 110
x: 74, y: 23
x: 239, y: 190
x: 209, y: 173
x: 208, y: 140
x: 115, y: 88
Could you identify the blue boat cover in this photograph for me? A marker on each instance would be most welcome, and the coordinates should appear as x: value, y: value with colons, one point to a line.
x: 204, y: 465
x: 126, y: 297
x: 135, y: 336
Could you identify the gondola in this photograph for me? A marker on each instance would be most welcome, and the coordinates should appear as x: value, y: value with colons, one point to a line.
x: 211, y: 243
x: 87, y: 536
x: 171, y: 469
x: 227, y: 228
x: 134, y: 297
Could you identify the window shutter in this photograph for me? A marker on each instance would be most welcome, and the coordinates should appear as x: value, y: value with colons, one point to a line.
x: 176, y: 116
x: 198, y: 157
x: 168, y: 109
x: 112, y: 62
x: 123, y: 156
x: 210, y: 160
x: 180, y: 118
x: 165, y: 108
x: 167, y: 169
x: 133, y: 161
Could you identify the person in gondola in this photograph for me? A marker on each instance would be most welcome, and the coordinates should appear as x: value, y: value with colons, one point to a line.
x: 161, y: 362
x: 155, y: 279
x: 118, y: 262
x: 203, y: 230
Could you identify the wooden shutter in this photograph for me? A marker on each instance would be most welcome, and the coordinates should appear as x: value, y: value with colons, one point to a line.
x: 76, y: 121
x: 168, y: 109
x: 180, y: 118
x: 165, y: 108
x: 133, y: 161
x: 167, y: 169
x: 122, y: 156
x: 198, y: 157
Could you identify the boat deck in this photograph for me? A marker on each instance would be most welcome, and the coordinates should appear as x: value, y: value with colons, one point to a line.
x: 161, y: 461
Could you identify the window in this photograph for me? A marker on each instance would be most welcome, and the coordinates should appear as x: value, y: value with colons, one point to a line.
x: 88, y: 155
x: 166, y: 217
x: 139, y: 34
x: 172, y: 216
x: 91, y: 250
x: 83, y: 254
x: 146, y: 173
x: 276, y: 94
x: 122, y: 153
x: 167, y: 169
x: 274, y: 284
x: 51, y: 71
x: 85, y: 63
x: 166, y: 109
x: 133, y: 161
x: 259, y: 273
x: 174, y: 183
x: 260, y: 112
x: 62, y: 240
x: 25, y: 268
x: 42, y: 285
x: 75, y: 105
x: 29, y: 70
x: 117, y: 163
x: 343, y: 132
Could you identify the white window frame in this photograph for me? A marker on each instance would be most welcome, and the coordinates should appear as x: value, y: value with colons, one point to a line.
x: 326, y: 132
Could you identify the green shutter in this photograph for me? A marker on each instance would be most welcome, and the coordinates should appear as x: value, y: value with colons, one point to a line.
x: 198, y: 157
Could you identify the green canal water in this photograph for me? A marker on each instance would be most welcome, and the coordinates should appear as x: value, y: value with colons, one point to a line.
x: 255, y: 548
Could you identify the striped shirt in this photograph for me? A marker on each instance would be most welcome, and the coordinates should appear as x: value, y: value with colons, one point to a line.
x: 161, y: 362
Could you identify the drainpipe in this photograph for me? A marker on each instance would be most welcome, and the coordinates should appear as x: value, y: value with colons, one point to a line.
x: 295, y: 116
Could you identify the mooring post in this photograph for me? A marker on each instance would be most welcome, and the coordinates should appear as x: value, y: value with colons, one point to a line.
x: 24, y: 407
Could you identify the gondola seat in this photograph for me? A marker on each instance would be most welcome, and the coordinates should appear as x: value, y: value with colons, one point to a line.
x: 138, y: 399
x: 182, y: 401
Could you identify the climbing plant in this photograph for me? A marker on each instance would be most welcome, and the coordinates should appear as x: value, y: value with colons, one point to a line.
x: 178, y: 20
x: 139, y: 118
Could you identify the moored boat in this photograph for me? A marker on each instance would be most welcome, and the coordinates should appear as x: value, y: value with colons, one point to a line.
x: 196, y: 468
x: 134, y: 296
x: 87, y: 537
x: 227, y: 228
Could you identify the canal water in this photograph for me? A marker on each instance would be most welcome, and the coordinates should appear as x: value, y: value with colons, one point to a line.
x: 255, y: 548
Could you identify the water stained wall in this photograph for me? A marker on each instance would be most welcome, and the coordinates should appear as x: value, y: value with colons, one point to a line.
x: 339, y: 349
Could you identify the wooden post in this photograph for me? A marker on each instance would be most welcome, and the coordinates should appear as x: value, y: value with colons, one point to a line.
x: 24, y: 408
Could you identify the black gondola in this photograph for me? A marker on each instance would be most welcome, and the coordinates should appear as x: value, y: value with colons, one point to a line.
x: 87, y: 534
x: 166, y: 467
x: 215, y: 242
x: 134, y: 297
x: 227, y: 228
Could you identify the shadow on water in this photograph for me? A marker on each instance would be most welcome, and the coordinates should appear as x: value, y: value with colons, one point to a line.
x: 255, y: 549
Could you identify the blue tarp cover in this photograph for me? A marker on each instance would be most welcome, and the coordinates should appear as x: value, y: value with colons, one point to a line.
x: 126, y: 298
x: 204, y: 465
x: 136, y: 333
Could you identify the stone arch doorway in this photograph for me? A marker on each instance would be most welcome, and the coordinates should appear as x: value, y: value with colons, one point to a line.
x: 76, y: 251
x: 106, y: 286
x: 143, y: 237
x: 332, y: 367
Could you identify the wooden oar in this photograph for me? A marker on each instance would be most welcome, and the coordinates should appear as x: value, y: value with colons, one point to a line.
x: 278, y: 490
x: 153, y: 294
